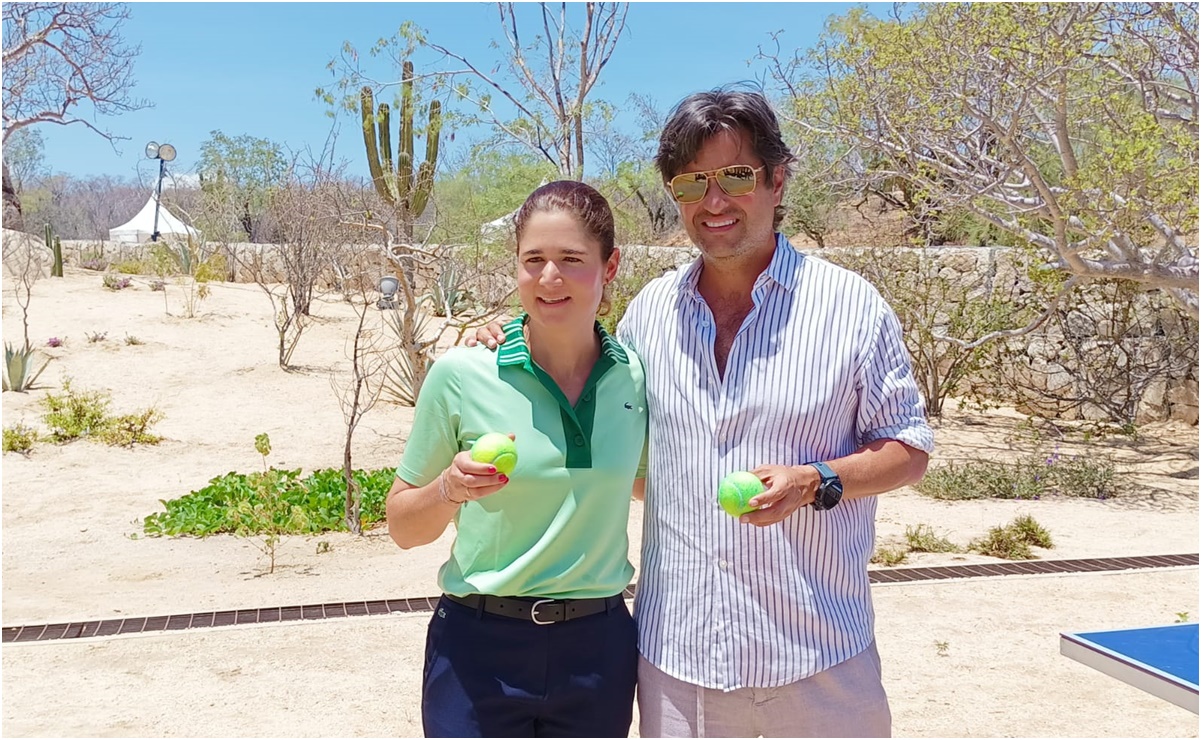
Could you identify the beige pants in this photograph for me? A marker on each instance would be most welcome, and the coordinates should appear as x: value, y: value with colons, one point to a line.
x: 847, y: 700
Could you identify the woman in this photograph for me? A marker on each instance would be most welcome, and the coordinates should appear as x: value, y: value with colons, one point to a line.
x: 532, y: 636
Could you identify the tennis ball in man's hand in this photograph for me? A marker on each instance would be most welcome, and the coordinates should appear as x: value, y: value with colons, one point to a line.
x: 497, y: 449
x: 736, y: 489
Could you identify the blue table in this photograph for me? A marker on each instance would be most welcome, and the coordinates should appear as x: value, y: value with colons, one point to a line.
x: 1159, y: 660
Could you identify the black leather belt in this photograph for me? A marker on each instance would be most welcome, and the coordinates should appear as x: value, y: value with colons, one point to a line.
x: 538, y: 611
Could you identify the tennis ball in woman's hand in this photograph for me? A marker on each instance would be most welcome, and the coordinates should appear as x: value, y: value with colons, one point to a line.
x: 736, y: 489
x: 497, y: 449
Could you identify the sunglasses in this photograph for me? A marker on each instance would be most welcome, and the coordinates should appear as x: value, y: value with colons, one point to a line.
x: 735, y: 180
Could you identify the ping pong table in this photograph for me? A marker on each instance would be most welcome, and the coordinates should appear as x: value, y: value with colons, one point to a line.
x: 1159, y: 660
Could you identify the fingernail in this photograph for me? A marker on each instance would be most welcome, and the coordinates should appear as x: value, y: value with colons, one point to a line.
x: 743, y: 519
x: 491, y: 469
x: 504, y: 478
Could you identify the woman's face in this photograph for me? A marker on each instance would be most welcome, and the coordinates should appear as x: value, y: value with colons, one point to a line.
x: 561, y: 274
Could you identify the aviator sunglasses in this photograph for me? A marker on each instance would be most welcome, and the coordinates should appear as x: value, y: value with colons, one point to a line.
x: 735, y: 180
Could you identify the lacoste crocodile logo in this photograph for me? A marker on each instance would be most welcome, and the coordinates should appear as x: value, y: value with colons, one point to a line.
x: 628, y: 406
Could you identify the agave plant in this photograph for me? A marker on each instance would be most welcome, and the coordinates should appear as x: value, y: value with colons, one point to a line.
x: 19, y: 371
x: 446, y: 293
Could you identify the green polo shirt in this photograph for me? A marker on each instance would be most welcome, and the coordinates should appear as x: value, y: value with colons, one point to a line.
x: 558, y: 529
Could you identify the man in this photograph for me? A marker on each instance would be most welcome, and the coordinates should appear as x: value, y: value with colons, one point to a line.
x: 759, y: 358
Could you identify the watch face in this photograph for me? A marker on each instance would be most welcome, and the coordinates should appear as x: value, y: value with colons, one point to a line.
x: 828, y: 495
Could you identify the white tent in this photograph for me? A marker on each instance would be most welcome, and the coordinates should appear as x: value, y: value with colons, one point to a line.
x: 139, y: 228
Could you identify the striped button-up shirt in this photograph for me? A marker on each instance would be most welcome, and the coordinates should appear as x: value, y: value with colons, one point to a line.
x: 817, y: 370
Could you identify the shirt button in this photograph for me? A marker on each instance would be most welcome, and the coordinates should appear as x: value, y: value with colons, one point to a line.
x: 579, y: 440
x: 723, y: 564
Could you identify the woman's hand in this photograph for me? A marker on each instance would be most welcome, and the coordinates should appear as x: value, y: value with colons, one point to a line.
x: 467, y: 480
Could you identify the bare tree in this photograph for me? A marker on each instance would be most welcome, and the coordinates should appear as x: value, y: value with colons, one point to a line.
x: 547, y: 80
x: 1072, y: 126
x: 359, y: 393
x: 58, y: 56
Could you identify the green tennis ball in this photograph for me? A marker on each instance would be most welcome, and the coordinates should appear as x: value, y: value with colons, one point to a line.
x: 736, y: 489
x: 497, y: 449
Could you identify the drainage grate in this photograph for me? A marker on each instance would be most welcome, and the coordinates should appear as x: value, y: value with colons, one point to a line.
x: 133, y: 625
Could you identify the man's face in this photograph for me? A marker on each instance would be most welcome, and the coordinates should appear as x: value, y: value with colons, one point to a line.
x: 726, y: 226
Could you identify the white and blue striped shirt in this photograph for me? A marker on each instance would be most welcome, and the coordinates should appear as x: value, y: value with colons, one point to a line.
x: 817, y: 370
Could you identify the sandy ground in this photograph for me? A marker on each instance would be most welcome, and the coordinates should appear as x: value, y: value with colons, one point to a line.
x: 71, y: 551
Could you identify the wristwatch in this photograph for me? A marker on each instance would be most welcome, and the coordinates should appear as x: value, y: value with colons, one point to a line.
x: 829, y: 493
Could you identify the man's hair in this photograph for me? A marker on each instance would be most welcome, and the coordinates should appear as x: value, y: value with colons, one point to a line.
x: 701, y: 115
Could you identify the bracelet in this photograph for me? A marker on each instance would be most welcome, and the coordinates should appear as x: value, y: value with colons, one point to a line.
x: 444, y: 494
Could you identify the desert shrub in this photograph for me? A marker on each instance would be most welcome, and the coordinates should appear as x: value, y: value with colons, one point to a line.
x: 96, y: 336
x: 889, y: 554
x: 1004, y: 543
x: 128, y: 430
x: 1031, y: 531
x: 130, y: 267
x: 19, y: 438
x: 158, y: 285
x: 112, y: 282
x: 321, y: 497
x: 74, y: 414
x: 55, y: 342
x: 1030, y: 477
x: 923, y: 538
x: 1013, y: 541
x: 132, y: 340
x: 99, y: 264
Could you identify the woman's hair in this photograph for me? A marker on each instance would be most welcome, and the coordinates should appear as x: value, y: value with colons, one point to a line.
x: 700, y: 116
x: 579, y: 200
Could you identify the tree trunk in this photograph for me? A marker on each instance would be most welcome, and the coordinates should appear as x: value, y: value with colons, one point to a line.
x: 13, y: 218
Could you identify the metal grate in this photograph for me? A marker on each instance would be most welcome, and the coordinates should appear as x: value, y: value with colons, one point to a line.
x: 133, y: 625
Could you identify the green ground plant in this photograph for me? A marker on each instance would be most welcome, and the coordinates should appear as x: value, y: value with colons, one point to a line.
x: 1014, y: 540
x: 923, y: 538
x: 128, y: 430
x: 19, y: 438
x: 267, y: 517
x: 75, y: 414
x: 889, y: 554
x: 114, y: 283
x: 322, y: 497
x: 1030, y: 477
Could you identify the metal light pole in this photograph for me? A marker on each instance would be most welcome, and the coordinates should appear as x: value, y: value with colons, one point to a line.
x: 163, y: 153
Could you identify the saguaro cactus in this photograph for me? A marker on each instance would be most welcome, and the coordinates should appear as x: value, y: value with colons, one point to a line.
x: 405, y: 190
x: 55, y: 245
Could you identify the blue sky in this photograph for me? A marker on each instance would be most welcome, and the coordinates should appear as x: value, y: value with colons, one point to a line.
x: 252, y: 68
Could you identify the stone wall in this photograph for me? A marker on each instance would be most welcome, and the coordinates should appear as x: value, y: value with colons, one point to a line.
x: 1146, y: 358
x: 1113, y: 351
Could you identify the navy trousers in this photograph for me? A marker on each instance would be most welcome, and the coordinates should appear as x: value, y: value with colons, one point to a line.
x: 496, y: 676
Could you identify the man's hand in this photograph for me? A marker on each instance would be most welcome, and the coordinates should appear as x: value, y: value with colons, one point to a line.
x: 491, y: 336
x: 787, y: 489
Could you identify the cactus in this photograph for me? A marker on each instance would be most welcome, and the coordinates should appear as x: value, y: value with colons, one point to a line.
x: 399, y: 187
x: 55, y: 245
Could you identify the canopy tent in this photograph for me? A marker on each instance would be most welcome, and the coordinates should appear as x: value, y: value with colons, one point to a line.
x: 139, y: 228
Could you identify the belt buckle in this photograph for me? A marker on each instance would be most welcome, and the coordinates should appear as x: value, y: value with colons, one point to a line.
x: 534, y: 611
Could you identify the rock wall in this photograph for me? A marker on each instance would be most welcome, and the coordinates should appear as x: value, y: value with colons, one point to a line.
x: 1112, y: 350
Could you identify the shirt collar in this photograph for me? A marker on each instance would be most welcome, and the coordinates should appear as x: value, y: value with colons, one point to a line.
x: 784, y: 268
x: 515, y: 350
